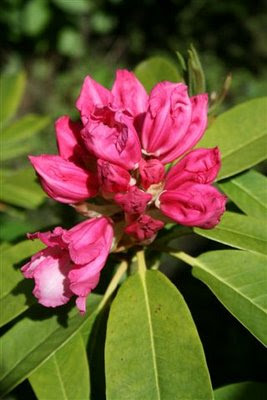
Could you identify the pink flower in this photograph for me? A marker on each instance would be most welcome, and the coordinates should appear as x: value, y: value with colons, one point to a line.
x: 134, y: 201
x: 187, y: 197
x: 112, y: 178
x: 92, y: 95
x: 144, y: 227
x: 63, y: 180
x: 71, y: 263
x: 173, y: 123
x: 200, y: 166
x: 130, y: 95
x: 193, y: 205
x: 111, y: 136
x: 151, y: 171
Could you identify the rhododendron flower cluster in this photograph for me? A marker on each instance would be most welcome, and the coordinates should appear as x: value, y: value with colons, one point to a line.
x: 132, y: 151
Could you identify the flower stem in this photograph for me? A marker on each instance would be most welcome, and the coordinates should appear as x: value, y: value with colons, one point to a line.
x: 141, y: 262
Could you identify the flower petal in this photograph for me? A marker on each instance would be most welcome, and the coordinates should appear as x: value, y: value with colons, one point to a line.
x: 63, y: 180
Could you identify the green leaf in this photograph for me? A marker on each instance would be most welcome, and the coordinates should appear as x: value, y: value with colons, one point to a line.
x: 239, y: 231
x: 239, y: 280
x: 12, y: 304
x: 242, y: 391
x: 65, y: 375
x: 35, y: 17
x: 241, y: 135
x: 15, y: 138
x: 197, y: 82
x: 248, y: 192
x: 156, y: 69
x: 152, y: 347
x: 30, y: 342
x: 73, y: 7
x: 21, y: 189
x: 12, y: 89
x: 70, y: 43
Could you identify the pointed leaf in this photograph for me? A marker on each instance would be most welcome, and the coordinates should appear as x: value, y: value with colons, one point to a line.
x: 152, y: 348
x: 242, y: 391
x: 12, y: 89
x: 157, y: 69
x: 239, y: 280
x: 241, y: 135
x: 35, y: 338
x: 22, y: 189
x: 15, y: 138
x: 239, y: 231
x: 249, y: 192
x: 65, y: 375
x: 13, y: 301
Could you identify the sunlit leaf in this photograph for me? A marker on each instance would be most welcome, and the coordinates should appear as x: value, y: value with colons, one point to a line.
x: 65, y: 374
x: 12, y: 89
x: 249, y: 192
x: 152, y: 348
x: 241, y: 135
x: 157, y: 69
x: 239, y: 231
x: 14, y: 288
x: 35, y: 338
x: 239, y: 280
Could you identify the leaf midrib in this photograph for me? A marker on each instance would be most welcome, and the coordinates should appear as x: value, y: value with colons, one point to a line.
x: 250, y: 194
x: 243, y: 146
x: 59, y: 377
x: 154, y: 359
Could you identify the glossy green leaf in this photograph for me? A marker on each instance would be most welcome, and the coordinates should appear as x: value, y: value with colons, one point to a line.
x: 15, y: 138
x: 12, y: 89
x: 152, y: 348
x: 241, y: 135
x: 14, y: 287
x: 65, y: 375
x: 249, y: 192
x: 22, y: 189
x: 35, y: 338
x: 157, y: 69
x: 241, y: 231
x: 239, y: 280
x: 242, y: 391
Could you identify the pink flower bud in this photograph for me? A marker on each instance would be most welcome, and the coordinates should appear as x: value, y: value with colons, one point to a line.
x: 72, y: 262
x: 145, y: 227
x: 63, y: 180
x: 129, y: 93
x: 167, y: 119
x: 199, y: 166
x: 112, y: 178
x: 151, y: 171
x: 69, y: 139
x: 134, y: 201
x: 174, y: 123
x: 92, y: 94
x: 193, y: 205
x: 111, y: 136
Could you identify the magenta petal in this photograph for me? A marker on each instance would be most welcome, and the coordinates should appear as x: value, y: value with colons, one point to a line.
x: 151, y: 171
x: 112, y: 178
x: 134, y: 201
x: 199, y: 166
x: 193, y: 205
x: 83, y: 279
x: 51, y: 239
x: 111, y: 136
x: 195, y: 130
x: 63, y: 180
x: 49, y: 269
x: 167, y: 119
x: 69, y: 140
x: 145, y: 227
x: 89, y: 240
x: 129, y: 93
x: 92, y: 94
